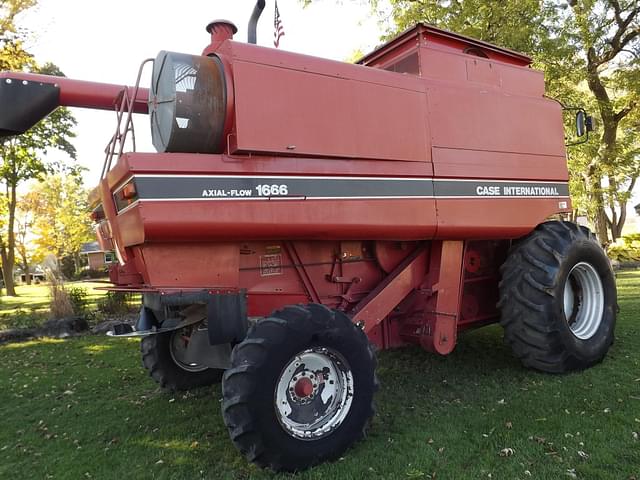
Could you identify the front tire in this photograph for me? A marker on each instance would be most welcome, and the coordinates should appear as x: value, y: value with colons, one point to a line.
x: 558, y: 299
x: 161, y: 356
x: 300, y: 389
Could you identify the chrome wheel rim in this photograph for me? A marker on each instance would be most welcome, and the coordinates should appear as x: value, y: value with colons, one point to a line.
x: 314, y: 393
x: 178, y: 345
x: 583, y: 300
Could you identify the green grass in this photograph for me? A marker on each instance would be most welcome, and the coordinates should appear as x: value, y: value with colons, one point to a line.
x: 84, y: 408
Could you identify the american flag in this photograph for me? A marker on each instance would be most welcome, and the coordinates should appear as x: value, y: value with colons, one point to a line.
x: 278, y: 29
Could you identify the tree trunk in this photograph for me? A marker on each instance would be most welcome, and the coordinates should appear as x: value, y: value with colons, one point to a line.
x: 9, y: 250
x: 616, y: 228
x: 27, y: 273
x: 77, y: 262
x: 7, y: 272
x: 597, y: 215
x: 608, y: 151
x: 618, y: 224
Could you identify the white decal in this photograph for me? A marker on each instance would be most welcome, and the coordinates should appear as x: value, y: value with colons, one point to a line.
x: 216, y: 192
x: 270, y: 265
x: 480, y: 190
x: 272, y: 190
x: 531, y: 191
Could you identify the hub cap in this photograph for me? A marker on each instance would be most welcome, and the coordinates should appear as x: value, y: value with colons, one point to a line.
x: 583, y: 300
x: 178, y: 349
x: 314, y: 393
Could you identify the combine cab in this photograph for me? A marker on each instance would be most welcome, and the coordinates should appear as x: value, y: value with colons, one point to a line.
x: 279, y: 239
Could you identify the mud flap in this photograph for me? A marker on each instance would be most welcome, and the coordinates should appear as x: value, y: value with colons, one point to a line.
x: 227, y: 317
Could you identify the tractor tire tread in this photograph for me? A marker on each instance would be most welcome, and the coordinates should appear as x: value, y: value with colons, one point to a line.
x: 528, y: 287
x: 157, y: 360
x: 271, y: 333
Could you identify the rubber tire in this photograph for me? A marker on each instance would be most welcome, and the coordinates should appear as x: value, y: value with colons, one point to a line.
x: 248, y: 386
x: 156, y: 358
x: 532, y: 298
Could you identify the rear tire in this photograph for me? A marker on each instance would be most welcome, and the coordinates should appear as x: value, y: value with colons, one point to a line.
x: 300, y: 389
x: 161, y: 360
x: 558, y: 299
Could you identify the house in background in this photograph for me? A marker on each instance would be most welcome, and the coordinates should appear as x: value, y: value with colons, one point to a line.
x: 97, y: 259
x: 36, y: 273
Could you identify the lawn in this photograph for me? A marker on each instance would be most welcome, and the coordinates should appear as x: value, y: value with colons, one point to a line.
x: 31, y: 307
x: 84, y: 408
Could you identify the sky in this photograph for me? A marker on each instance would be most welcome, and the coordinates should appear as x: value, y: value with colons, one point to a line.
x: 106, y: 41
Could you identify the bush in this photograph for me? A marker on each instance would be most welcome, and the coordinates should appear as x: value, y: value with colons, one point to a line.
x: 626, y: 249
x: 78, y: 299
x: 67, y: 267
x: 21, y: 318
x: 91, y: 274
x: 115, y: 302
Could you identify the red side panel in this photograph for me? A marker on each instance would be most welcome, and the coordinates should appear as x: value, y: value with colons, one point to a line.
x: 282, y: 219
x: 494, y: 218
x: 460, y: 67
x: 194, y: 163
x: 462, y: 163
x: 192, y: 265
x: 287, y: 111
x: 474, y: 119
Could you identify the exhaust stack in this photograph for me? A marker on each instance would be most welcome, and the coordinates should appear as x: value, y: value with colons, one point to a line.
x: 253, y: 21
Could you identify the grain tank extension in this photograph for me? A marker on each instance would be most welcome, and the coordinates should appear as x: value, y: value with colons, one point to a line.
x: 300, y: 213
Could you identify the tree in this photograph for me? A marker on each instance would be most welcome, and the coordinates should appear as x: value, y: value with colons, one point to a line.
x: 12, y: 54
x: 62, y: 223
x: 21, y: 157
x: 25, y: 219
x: 8, y: 11
x: 609, y: 32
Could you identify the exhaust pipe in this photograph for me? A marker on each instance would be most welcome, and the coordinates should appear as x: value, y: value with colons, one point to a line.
x: 26, y: 98
x: 252, y: 36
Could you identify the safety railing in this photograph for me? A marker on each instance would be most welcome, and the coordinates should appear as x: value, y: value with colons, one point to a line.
x: 124, y: 105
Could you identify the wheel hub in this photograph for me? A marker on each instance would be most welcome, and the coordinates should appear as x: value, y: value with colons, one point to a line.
x: 583, y: 300
x: 178, y: 346
x: 313, y: 394
x: 304, y: 388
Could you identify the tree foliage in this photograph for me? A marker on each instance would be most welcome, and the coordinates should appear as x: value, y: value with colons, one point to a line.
x: 61, y: 217
x: 9, y: 9
x: 27, y: 156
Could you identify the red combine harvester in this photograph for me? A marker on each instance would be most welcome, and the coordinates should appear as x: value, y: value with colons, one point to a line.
x: 301, y: 211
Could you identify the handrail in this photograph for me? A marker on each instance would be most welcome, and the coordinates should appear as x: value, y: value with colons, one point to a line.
x: 126, y: 100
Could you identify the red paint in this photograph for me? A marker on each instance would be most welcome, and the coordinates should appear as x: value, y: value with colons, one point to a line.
x: 429, y: 104
x: 303, y: 388
x: 80, y: 93
x: 406, y: 277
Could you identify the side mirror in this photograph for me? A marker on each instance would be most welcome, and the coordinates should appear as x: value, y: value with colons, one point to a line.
x: 584, y: 123
x: 581, y: 123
